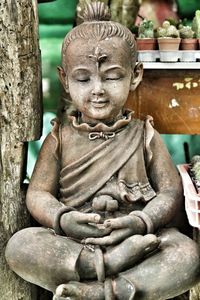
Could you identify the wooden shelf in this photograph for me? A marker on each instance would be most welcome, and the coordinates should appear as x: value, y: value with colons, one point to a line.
x: 177, y: 60
x: 171, y: 66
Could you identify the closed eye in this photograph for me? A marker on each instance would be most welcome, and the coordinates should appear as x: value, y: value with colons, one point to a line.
x: 113, y: 78
x: 83, y: 80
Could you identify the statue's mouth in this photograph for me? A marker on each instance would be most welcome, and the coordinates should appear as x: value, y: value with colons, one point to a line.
x: 99, y: 102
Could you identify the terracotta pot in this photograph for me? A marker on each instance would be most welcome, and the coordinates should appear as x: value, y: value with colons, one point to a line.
x: 146, y: 44
x: 169, y: 44
x: 198, y: 42
x: 189, y: 44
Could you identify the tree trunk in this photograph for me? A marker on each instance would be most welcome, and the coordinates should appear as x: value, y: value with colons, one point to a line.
x: 20, y: 121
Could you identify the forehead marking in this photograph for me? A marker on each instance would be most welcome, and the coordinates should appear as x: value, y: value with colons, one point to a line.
x: 98, y: 56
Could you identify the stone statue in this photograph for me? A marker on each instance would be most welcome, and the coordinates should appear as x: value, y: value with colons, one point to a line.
x: 104, y: 188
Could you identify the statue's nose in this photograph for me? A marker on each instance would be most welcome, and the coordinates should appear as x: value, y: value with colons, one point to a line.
x: 98, y: 89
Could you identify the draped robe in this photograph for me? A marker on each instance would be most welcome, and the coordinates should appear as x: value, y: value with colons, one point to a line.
x: 112, y: 161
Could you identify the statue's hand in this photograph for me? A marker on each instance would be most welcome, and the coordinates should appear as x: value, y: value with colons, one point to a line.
x: 82, y: 225
x: 122, y: 228
x: 130, y: 221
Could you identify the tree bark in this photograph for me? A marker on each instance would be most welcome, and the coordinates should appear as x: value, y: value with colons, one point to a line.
x: 20, y: 121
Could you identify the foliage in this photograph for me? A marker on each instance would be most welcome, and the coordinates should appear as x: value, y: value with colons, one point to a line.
x: 134, y: 30
x: 195, y: 167
x: 186, y: 32
x: 146, y: 29
x: 168, y: 31
x: 172, y: 21
x: 196, y: 24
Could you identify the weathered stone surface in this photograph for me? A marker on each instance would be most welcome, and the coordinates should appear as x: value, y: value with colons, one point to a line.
x: 195, y: 292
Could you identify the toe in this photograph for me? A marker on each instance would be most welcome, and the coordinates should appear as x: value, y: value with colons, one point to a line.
x: 62, y: 290
x: 151, y: 242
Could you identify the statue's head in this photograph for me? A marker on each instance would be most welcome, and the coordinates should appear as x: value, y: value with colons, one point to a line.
x: 99, y: 64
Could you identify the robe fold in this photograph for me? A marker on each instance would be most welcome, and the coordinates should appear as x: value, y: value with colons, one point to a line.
x: 116, y: 162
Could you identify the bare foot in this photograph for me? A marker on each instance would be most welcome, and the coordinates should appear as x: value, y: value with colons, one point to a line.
x: 95, y: 290
x: 77, y: 290
x: 129, y: 252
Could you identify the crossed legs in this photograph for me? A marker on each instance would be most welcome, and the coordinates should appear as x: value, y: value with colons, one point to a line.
x: 50, y: 261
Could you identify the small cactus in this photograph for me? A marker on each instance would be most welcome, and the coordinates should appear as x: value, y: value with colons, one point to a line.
x: 195, y: 166
x: 167, y: 30
x: 145, y: 29
x: 186, y: 32
x: 196, y: 24
x: 195, y: 171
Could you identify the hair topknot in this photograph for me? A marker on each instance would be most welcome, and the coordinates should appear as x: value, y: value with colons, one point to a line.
x: 96, y: 11
x: 98, y: 26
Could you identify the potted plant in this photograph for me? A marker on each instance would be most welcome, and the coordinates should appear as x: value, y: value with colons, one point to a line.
x: 188, y: 43
x: 188, y: 40
x: 168, y: 42
x: 196, y: 25
x: 190, y: 175
x: 168, y: 37
x: 146, y: 39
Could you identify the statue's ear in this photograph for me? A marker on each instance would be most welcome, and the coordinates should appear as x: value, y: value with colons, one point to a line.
x: 136, y: 76
x: 63, y: 78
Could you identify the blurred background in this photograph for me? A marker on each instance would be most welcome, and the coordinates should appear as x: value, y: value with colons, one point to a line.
x: 57, y: 17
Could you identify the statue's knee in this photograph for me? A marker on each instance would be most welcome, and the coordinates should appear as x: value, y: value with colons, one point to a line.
x: 13, y: 245
x: 189, y: 261
x: 16, y: 251
x: 192, y: 252
x: 181, y: 249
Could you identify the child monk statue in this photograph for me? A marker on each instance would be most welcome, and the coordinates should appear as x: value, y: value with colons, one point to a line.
x: 104, y: 187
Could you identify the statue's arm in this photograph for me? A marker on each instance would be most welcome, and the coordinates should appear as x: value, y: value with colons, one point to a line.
x: 167, y: 184
x: 42, y: 198
x: 43, y: 189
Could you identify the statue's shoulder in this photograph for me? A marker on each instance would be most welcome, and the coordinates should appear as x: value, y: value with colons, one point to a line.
x: 60, y: 132
x: 59, y: 126
x: 149, y: 133
x: 147, y: 122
